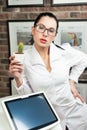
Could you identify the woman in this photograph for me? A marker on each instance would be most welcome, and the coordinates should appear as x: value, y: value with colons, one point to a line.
x: 74, y: 40
x: 48, y: 68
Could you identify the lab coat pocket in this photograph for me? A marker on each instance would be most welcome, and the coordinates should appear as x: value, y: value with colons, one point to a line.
x: 82, y: 112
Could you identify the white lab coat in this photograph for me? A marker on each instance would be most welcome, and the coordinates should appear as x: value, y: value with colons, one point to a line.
x: 56, y: 83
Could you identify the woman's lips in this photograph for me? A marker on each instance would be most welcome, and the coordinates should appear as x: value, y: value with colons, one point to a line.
x: 43, y: 40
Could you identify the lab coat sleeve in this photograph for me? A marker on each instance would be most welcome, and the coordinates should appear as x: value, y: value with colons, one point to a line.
x: 77, y: 61
x: 25, y: 88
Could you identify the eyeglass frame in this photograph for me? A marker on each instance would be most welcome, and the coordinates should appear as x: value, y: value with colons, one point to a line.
x: 48, y: 29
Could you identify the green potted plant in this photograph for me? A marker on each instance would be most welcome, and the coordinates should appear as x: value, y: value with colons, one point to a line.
x: 19, y: 55
x: 20, y: 47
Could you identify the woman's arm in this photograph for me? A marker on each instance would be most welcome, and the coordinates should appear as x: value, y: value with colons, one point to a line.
x: 74, y: 91
x: 76, y: 60
x: 16, y: 70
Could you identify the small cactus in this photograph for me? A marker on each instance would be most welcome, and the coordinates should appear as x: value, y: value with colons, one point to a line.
x: 20, y: 47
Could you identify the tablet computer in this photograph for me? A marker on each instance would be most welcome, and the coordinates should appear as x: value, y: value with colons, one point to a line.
x: 30, y: 112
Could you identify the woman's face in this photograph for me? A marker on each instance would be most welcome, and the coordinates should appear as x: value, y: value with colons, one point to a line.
x: 44, y: 32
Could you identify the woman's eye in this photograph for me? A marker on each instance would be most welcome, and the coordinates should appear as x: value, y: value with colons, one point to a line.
x: 51, y: 30
x: 41, y: 27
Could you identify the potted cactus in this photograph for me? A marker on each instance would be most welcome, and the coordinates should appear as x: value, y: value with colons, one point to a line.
x: 20, y: 47
x: 19, y: 55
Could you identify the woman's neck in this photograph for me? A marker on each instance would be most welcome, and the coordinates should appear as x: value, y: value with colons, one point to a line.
x: 43, y: 51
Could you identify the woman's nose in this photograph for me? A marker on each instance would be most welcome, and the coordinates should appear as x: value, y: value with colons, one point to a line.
x: 45, y: 32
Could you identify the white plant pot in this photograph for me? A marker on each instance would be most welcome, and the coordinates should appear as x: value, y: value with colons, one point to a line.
x: 19, y: 58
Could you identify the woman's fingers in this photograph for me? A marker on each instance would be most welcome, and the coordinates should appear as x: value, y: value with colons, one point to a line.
x: 77, y: 95
x: 11, y: 57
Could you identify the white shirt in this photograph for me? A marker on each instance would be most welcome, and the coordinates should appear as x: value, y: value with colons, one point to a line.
x: 56, y: 82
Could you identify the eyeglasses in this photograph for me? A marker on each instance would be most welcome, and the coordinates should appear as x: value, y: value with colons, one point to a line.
x: 41, y: 28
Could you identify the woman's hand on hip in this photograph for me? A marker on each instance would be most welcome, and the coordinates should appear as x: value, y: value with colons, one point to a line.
x: 75, y: 92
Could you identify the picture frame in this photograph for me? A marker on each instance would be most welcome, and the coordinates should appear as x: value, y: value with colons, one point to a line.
x: 69, y: 29
x: 22, y: 3
x: 68, y: 2
x: 21, y: 33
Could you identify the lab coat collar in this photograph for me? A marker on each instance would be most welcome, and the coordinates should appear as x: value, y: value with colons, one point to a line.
x: 35, y: 57
x: 55, y: 53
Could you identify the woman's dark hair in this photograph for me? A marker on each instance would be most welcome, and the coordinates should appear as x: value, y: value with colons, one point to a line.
x: 49, y: 14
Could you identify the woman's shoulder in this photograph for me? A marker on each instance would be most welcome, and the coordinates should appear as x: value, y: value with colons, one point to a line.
x: 70, y: 50
x: 66, y: 46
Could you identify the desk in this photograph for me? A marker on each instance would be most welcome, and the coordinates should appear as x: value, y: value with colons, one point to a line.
x: 4, y: 124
